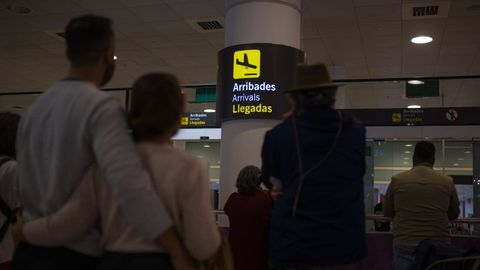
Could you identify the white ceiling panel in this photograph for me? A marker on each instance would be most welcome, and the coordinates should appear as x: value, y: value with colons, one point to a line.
x: 451, y: 70
x: 390, y: 28
x: 198, y: 9
x: 96, y: 4
x: 309, y: 29
x: 53, y: 6
x: 173, y: 28
x: 379, y: 13
x: 118, y: 16
x: 136, y: 30
x: 332, y: 16
x: 138, y: 3
x: 317, y: 5
x: 423, y: 27
x: 154, y: 13
x: 338, y: 30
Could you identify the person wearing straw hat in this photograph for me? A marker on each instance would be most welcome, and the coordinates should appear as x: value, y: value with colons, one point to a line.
x: 315, y: 159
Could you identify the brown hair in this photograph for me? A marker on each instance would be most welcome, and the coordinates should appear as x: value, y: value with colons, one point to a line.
x: 156, y: 107
x: 248, y: 180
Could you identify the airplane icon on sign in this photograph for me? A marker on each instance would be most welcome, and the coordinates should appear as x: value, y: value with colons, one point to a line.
x: 245, y: 62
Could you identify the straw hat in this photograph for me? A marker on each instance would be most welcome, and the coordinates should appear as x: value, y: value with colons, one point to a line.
x: 311, y: 77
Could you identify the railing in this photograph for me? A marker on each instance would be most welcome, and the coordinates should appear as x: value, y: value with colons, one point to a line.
x: 456, y: 221
x: 461, y: 226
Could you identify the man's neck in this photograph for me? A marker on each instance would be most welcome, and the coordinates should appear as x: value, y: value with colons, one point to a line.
x: 426, y: 164
x: 85, y: 74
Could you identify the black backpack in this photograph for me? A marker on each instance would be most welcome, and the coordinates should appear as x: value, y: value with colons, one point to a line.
x: 4, y: 208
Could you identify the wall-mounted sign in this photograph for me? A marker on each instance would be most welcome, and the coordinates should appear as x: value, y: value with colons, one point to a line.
x: 417, y: 117
x: 198, y: 120
x: 252, y: 78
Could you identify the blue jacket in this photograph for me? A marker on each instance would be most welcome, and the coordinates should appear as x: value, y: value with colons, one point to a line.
x: 329, y: 227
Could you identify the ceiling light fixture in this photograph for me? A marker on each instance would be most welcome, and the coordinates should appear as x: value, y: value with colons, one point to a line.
x: 415, y: 82
x: 413, y: 106
x: 460, y: 159
x: 115, y: 57
x: 468, y: 152
x: 455, y: 164
x: 206, y: 145
x: 408, y: 145
x: 407, y: 152
x: 19, y: 9
x: 209, y: 110
x: 406, y: 158
x: 421, y: 40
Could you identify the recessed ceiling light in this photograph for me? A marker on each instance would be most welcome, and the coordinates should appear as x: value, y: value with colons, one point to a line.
x: 407, y: 152
x: 405, y: 162
x: 421, y: 39
x: 206, y: 145
x: 455, y: 164
x: 408, y: 145
x: 209, y: 110
x: 415, y: 82
x: 19, y: 9
x: 115, y: 57
x: 414, y: 106
x: 460, y: 159
x: 406, y: 158
x: 468, y: 152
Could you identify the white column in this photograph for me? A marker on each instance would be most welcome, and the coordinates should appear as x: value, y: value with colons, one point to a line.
x: 276, y: 22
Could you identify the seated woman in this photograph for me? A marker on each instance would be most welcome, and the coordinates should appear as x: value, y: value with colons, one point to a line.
x: 156, y: 107
x: 249, y: 212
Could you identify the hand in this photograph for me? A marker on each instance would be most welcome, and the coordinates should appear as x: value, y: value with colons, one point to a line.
x: 179, y: 256
x: 17, y: 229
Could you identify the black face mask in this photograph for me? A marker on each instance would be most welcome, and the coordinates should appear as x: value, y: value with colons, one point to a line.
x: 107, y: 76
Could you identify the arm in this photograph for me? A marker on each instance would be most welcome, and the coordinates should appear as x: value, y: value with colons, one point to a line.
x: 388, y: 204
x: 76, y: 217
x: 454, y: 206
x: 131, y: 185
x: 200, y: 232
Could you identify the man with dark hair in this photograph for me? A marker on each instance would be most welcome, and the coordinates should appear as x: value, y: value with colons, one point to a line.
x: 8, y: 184
x: 71, y: 126
x: 421, y: 202
x: 316, y: 159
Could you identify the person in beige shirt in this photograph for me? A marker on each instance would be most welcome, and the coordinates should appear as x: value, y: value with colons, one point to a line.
x: 421, y: 202
x: 179, y: 178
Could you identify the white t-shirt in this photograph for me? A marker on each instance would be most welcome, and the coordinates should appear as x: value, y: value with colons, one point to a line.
x: 68, y: 128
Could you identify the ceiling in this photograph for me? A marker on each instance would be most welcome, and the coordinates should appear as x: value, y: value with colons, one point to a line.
x: 356, y: 38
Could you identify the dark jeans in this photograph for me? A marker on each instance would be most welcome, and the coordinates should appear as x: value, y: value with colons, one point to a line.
x: 29, y: 257
x: 131, y: 261
x: 403, y: 257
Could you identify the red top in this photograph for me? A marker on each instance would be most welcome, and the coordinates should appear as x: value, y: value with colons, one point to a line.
x: 249, y: 218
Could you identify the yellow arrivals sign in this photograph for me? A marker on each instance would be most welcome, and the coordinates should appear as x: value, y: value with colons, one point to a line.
x: 246, y: 64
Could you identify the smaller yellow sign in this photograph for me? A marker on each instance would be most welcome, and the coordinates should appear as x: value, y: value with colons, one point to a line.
x: 246, y: 64
x: 396, y: 117
x: 184, y: 121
